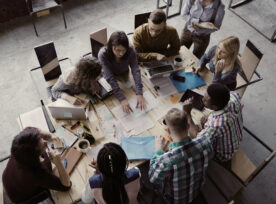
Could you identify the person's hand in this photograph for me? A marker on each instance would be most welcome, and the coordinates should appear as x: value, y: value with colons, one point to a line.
x: 197, y: 70
x: 141, y: 102
x: 188, y: 105
x: 195, y: 26
x: 125, y: 106
x: 95, y: 166
x: 95, y: 87
x: 220, y: 65
x: 161, y: 57
x: 203, y: 120
x: 161, y: 143
x: 54, y: 157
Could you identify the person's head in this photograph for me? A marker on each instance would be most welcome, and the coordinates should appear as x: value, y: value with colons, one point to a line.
x: 216, y: 97
x: 177, y: 124
x: 117, y: 46
x: 27, y: 147
x: 228, y: 49
x: 157, y: 22
x: 86, y: 72
x: 112, y: 163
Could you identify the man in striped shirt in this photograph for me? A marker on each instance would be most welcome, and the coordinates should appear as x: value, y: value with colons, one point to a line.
x: 179, y: 173
x: 224, y: 125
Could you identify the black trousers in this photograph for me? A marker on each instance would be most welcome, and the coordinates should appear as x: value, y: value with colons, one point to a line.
x: 201, y: 42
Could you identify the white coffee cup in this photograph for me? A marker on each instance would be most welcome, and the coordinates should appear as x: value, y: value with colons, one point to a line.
x: 83, y: 145
x: 178, y: 60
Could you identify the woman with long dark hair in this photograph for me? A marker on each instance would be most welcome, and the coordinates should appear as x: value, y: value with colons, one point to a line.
x: 116, y: 58
x: 29, y: 169
x: 81, y: 79
x: 113, y: 184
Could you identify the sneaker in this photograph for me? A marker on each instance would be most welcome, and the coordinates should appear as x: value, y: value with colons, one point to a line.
x: 128, y: 85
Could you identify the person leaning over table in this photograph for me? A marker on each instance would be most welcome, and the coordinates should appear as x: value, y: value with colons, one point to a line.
x: 223, y: 126
x: 156, y: 40
x: 223, y: 61
x: 198, y: 11
x: 29, y: 169
x: 116, y: 58
x: 112, y: 183
x: 179, y: 173
x: 82, y: 78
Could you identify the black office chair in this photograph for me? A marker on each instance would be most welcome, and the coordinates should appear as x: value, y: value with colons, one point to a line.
x: 140, y: 19
x: 49, y: 64
x: 36, y: 6
x: 97, y: 39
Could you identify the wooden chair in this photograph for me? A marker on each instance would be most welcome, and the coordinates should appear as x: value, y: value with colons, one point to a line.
x: 36, y: 6
x: 49, y: 65
x: 140, y: 19
x: 243, y: 167
x: 250, y: 60
x: 97, y: 39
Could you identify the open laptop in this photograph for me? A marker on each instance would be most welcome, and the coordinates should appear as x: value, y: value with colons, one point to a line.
x: 155, y: 69
x: 62, y: 109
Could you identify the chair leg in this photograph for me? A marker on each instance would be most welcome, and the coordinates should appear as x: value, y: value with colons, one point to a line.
x: 63, y: 17
x: 33, y: 20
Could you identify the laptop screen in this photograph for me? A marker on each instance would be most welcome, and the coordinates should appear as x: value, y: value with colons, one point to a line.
x: 96, y: 46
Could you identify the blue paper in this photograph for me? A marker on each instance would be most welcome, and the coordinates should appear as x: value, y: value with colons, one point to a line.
x: 191, y: 81
x: 138, y: 148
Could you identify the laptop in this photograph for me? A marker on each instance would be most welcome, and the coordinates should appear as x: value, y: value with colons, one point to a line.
x: 106, y: 89
x: 159, y: 69
x: 63, y: 110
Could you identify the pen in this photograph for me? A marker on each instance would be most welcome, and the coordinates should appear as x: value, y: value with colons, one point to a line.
x: 99, y: 119
x: 75, y: 125
x: 85, y: 127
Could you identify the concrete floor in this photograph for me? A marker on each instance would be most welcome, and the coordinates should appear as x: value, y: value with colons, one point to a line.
x: 17, y: 39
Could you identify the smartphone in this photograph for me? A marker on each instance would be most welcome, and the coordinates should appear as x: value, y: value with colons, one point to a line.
x: 178, y: 78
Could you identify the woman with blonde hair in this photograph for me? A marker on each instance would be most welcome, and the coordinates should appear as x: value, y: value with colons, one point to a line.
x: 83, y: 78
x: 223, y: 61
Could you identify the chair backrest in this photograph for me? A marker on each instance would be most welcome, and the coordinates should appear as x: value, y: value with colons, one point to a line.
x: 250, y: 59
x: 98, y: 39
x: 29, y: 5
x: 140, y: 19
x: 47, y: 57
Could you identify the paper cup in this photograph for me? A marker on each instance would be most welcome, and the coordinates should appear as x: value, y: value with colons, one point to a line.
x: 83, y: 145
x: 178, y: 60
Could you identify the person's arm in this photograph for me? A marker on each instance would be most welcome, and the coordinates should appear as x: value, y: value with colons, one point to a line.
x: 138, y: 45
x: 58, y: 88
x: 187, y: 108
x: 174, y: 44
x: 63, y: 175
x: 109, y: 76
x: 226, y: 78
x: 207, y: 57
x: 136, y: 72
x: 186, y: 12
x: 87, y: 196
x: 158, y: 167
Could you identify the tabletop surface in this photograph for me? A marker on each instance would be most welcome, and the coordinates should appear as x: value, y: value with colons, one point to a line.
x: 83, y: 171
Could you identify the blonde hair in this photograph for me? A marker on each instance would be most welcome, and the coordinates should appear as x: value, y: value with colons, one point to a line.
x: 177, y: 120
x: 232, y: 45
x: 84, y: 74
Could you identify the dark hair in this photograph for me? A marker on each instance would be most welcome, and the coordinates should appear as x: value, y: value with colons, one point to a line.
x: 219, y: 95
x: 26, y: 148
x: 117, y: 38
x: 158, y: 16
x: 112, y: 163
x: 87, y: 70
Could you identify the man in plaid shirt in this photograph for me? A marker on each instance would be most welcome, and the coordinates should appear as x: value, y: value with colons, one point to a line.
x: 224, y: 125
x: 179, y: 173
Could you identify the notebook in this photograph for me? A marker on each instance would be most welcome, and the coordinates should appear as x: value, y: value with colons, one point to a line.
x: 138, y: 148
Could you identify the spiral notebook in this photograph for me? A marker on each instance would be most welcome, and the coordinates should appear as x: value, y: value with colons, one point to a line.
x: 138, y: 148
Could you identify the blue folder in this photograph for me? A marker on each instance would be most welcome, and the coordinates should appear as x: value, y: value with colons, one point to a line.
x: 138, y: 148
x: 191, y: 81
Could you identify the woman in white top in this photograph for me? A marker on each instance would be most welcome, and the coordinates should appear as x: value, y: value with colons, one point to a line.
x: 112, y: 183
